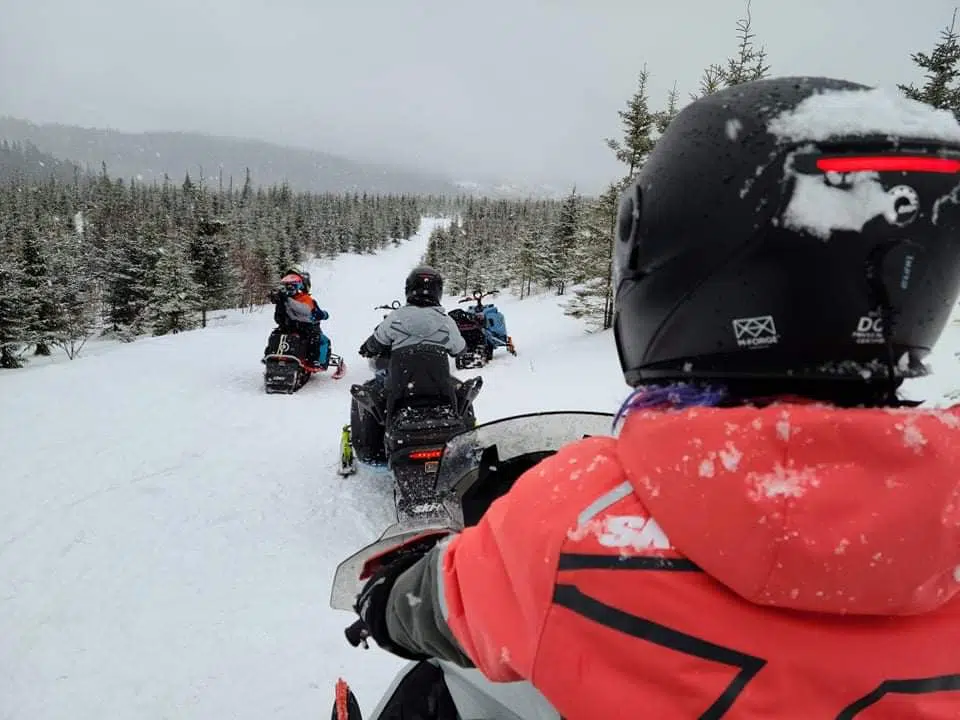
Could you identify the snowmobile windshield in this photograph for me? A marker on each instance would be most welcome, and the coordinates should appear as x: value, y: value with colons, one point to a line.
x: 467, y: 485
x: 502, y: 440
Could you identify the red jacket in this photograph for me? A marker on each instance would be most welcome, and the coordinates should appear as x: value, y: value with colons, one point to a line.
x: 792, y: 562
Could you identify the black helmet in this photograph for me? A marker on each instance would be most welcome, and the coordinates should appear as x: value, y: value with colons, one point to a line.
x: 768, y: 237
x: 424, y: 286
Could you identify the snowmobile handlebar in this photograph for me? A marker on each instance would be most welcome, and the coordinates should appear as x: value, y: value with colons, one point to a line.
x: 477, y: 296
x: 357, y: 634
x: 395, y: 305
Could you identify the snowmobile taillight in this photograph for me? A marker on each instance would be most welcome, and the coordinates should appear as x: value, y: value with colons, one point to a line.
x: 426, y: 454
x: 888, y: 163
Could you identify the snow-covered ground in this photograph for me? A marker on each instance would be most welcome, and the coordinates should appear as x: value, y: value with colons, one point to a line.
x: 168, y: 532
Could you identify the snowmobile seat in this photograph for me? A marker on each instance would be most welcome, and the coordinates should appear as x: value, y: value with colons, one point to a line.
x: 419, y: 377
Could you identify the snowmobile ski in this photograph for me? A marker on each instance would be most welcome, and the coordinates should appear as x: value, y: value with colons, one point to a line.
x: 341, y: 367
x: 348, y: 464
x: 345, y: 704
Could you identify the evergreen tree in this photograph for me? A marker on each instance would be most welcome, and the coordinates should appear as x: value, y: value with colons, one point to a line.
x: 210, y: 257
x: 748, y: 64
x: 558, y: 265
x: 666, y: 116
x: 639, y: 124
x: 942, y: 70
x: 175, y: 298
x: 710, y: 81
x: 75, y: 293
x: 128, y: 266
x: 13, y: 309
x: 593, y: 299
x: 525, y: 266
x: 40, y: 316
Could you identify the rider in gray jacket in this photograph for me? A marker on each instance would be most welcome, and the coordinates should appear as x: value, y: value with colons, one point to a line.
x: 421, y: 320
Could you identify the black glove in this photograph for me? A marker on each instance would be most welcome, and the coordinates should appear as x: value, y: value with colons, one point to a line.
x: 372, y: 601
x: 275, y: 296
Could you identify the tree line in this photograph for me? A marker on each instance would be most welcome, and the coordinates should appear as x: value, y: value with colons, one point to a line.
x: 95, y: 255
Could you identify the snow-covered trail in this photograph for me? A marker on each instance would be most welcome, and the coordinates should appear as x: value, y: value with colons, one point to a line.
x: 168, y: 532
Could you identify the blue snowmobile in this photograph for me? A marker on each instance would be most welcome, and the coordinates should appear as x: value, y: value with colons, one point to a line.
x: 483, y: 328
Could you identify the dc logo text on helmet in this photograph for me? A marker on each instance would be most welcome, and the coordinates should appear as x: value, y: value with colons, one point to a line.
x: 869, y: 330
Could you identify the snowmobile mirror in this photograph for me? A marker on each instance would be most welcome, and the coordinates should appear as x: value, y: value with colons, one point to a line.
x: 396, y: 540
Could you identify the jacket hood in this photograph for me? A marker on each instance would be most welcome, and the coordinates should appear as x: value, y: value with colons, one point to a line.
x: 807, y: 507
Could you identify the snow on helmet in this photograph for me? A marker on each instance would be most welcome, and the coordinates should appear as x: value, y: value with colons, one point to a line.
x: 424, y: 286
x: 293, y: 283
x: 790, y: 229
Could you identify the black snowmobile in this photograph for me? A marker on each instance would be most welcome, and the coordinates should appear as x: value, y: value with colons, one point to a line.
x: 288, y: 367
x: 287, y: 354
x: 476, y: 467
x: 483, y: 328
x: 406, y: 425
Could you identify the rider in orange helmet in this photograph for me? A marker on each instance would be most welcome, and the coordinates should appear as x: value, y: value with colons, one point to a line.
x: 296, y: 309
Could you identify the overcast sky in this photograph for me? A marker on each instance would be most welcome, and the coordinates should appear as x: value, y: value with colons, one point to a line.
x: 519, y: 89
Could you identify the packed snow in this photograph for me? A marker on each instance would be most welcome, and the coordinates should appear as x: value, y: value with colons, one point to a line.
x: 831, y: 114
x: 820, y: 208
x: 170, y: 532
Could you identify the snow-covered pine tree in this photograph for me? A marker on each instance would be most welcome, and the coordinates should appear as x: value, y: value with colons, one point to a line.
x: 75, y: 293
x: 666, y: 116
x: 129, y: 265
x: 13, y: 310
x: 437, y: 247
x: 209, y: 254
x: 942, y: 72
x: 639, y: 124
x: 592, y: 299
x: 710, y: 81
x: 265, y: 268
x: 749, y: 62
x: 40, y: 319
x: 529, y: 242
x: 459, y: 264
x: 175, y: 299
x: 557, y: 263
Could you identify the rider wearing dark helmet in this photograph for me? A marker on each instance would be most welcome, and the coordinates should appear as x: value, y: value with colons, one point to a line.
x: 421, y: 320
x: 774, y: 532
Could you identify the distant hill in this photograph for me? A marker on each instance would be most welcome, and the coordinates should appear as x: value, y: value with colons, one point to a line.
x: 24, y: 161
x: 148, y: 156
